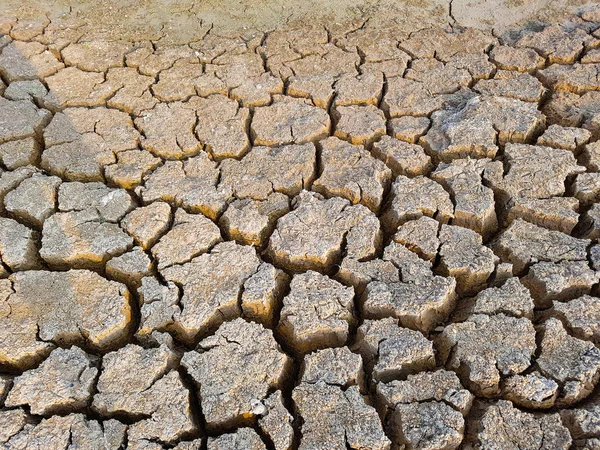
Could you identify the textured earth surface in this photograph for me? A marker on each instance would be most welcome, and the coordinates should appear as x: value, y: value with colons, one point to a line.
x: 354, y: 236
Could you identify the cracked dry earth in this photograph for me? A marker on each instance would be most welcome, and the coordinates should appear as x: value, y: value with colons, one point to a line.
x: 315, y: 239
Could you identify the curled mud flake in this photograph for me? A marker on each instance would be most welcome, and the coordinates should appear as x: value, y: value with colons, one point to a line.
x: 18, y: 248
x: 533, y: 391
x: 586, y: 188
x: 287, y: 169
x: 27, y: 29
x: 20, y: 119
x: 359, y: 125
x: 464, y: 257
x: 191, y: 184
x: 584, y: 423
x: 257, y: 90
x: 289, y: 123
x: 32, y: 90
x: 578, y: 78
x: 351, y: 172
x: 12, y: 421
x: 317, y: 313
x: 71, y: 86
x: 72, y: 431
x: 392, y: 352
x: 360, y: 273
x: 242, y: 439
x: 484, y: 349
x: 403, y: 158
x: 211, y: 285
x: 554, y: 213
x: 512, y: 298
x: 523, y: 244
x: 130, y: 168
x: 333, y: 366
x: 96, y: 56
x: 179, y: 81
x: 148, y: 223
x: 21, y: 61
x: 168, y: 130
x: 430, y: 42
x: 130, y: 267
x: 421, y: 302
x: 19, y: 346
x: 563, y: 280
x: 34, y: 200
x: 276, y: 422
x: 581, y: 316
x: 518, y: 59
x: 143, y: 384
x: 74, y: 307
x: 411, y: 198
x: 591, y: 156
x: 316, y: 232
x: 591, y: 56
x: 63, y: 382
x: 409, y: 128
x: 221, y: 126
x: 426, y: 410
x: 437, y: 77
x: 20, y: 153
x: 406, y: 97
x: 159, y: 308
x: 476, y: 126
x: 263, y: 292
x: 151, y: 61
x: 572, y: 110
x: 81, y: 141
x: 571, y: 362
x: 520, y: 86
x: 411, y: 267
x: 501, y: 425
x: 109, y: 203
x: 475, y: 207
x: 569, y: 138
x: 362, y: 89
x: 318, y: 88
x: 556, y: 44
x: 251, y: 222
x: 420, y: 236
x: 190, y: 236
x: 378, y: 46
x: 133, y: 95
x: 477, y: 64
x: 354, y: 424
x: 242, y: 362
x: 10, y: 180
x: 81, y: 239
x: 504, y: 271
x: 61, y: 32
x: 326, y: 58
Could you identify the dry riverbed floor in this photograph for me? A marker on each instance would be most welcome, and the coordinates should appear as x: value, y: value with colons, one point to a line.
x: 314, y: 237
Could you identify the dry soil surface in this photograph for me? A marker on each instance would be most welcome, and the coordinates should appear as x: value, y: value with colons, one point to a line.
x: 243, y: 226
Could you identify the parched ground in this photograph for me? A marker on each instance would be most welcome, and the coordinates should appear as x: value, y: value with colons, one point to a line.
x: 356, y: 235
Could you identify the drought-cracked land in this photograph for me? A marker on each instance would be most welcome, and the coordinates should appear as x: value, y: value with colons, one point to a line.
x: 255, y: 230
